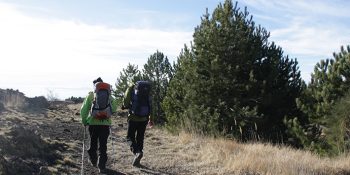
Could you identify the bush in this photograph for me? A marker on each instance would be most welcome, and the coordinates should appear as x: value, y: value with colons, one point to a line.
x: 75, y: 100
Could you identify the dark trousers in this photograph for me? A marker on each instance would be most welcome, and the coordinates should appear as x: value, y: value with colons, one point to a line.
x: 98, y: 135
x: 136, y: 134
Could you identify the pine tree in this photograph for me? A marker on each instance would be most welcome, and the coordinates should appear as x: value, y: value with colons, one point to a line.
x: 338, y: 127
x: 158, y: 71
x: 174, y: 101
x: 233, y: 81
x: 330, y: 81
x: 127, y: 76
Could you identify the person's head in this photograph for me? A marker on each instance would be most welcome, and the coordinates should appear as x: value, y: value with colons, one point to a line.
x: 97, y: 80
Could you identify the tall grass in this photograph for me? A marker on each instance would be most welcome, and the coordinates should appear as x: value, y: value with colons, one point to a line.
x: 257, y: 158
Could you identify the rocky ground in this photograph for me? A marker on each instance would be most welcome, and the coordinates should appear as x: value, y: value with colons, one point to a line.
x: 49, y: 140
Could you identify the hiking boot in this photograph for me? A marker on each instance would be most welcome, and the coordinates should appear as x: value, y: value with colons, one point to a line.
x: 93, y: 162
x: 137, y: 159
x: 133, y: 150
x: 93, y: 159
x: 102, y: 170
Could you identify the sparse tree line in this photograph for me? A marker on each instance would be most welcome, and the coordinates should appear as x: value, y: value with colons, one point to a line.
x: 233, y: 82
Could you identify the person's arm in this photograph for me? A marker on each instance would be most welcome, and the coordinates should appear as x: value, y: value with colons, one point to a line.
x: 85, y: 108
x: 150, y: 120
x: 127, y: 98
x: 114, y: 104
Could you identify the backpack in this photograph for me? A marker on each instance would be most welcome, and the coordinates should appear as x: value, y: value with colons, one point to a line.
x: 140, y: 99
x: 101, y: 106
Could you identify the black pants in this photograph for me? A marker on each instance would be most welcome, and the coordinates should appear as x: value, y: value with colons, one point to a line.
x: 136, y: 134
x: 98, y: 135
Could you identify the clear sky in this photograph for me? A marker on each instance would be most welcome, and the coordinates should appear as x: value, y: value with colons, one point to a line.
x: 62, y: 45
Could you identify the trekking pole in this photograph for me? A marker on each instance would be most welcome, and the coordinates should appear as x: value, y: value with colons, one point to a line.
x: 112, y: 140
x: 83, y: 153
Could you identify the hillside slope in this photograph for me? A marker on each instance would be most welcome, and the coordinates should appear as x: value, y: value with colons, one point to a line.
x: 50, y: 141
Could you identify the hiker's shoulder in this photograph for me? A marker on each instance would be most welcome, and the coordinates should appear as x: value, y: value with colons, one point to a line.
x: 129, y: 88
x: 89, y: 96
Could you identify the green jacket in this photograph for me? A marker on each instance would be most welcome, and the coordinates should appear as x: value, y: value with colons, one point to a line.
x: 87, y: 119
x: 126, y: 103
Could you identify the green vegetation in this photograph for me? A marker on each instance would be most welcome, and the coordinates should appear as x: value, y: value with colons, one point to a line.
x: 75, y: 100
x: 338, y: 123
x: 127, y: 76
x: 158, y: 71
x: 239, y: 83
x: 322, y: 104
x: 233, y: 82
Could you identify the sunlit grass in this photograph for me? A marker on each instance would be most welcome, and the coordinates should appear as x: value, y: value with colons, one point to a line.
x: 230, y: 156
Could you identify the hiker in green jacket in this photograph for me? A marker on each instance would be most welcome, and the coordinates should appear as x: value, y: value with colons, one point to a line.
x: 96, y: 113
x: 137, y: 100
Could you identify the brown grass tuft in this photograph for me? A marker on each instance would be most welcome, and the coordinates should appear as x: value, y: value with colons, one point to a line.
x: 68, y: 161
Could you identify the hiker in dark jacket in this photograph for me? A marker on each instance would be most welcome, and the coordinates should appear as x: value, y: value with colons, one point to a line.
x: 137, y: 120
x: 99, y: 124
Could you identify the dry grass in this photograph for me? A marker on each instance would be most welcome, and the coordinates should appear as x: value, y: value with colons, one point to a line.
x: 230, y: 157
x: 68, y: 161
x: 4, y: 130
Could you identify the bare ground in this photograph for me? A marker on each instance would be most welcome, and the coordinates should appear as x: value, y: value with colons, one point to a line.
x: 50, y: 141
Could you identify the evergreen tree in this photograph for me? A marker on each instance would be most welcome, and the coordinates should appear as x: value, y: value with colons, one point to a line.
x: 158, y: 71
x: 338, y: 124
x: 233, y: 81
x: 174, y: 101
x: 329, y: 83
x: 127, y: 76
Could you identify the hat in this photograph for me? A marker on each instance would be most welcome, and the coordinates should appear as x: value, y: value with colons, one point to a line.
x: 97, y: 80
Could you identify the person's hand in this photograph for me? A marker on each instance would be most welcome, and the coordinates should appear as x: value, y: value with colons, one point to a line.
x: 150, y: 124
x: 123, y: 107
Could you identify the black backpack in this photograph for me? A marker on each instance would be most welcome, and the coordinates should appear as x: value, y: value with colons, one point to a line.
x: 140, y: 99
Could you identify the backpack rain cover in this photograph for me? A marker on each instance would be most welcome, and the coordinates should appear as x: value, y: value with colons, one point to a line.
x: 101, y: 106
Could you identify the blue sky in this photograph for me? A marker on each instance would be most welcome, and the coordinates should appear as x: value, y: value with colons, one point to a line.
x: 59, y: 45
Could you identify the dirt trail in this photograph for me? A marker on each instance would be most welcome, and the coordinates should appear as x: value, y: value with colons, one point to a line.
x: 160, y: 153
x: 56, y: 139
